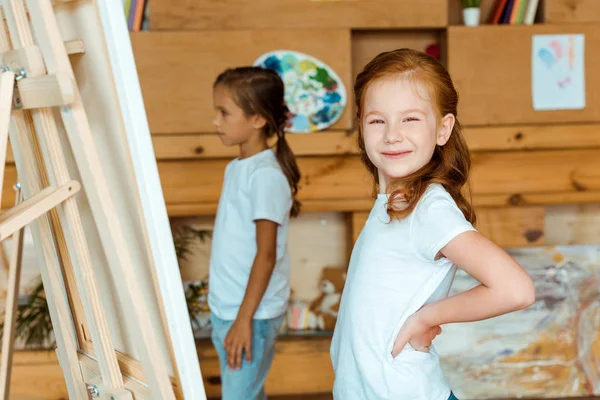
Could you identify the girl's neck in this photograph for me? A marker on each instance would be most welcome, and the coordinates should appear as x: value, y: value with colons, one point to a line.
x: 384, y: 180
x: 253, y: 146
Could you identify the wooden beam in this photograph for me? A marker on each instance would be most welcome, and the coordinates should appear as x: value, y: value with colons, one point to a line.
x: 512, y: 226
x: 533, y: 137
x: 202, y: 146
x: 507, y: 227
x: 261, y: 14
x: 46, y: 91
x: 483, y: 67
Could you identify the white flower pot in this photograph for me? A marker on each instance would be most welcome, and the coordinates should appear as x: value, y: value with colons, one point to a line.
x: 471, y: 16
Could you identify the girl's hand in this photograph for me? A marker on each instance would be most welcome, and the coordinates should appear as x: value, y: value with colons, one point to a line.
x: 237, y: 342
x: 417, y: 333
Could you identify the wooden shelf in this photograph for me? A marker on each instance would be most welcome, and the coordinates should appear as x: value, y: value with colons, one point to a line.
x: 269, y: 14
x: 206, y: 146
x: 491, y: 67
x: 301, y: 365
x: 571, y: 11
x: 177, y: 69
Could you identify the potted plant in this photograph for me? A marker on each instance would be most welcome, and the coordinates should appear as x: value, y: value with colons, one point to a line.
x: 471, y: 12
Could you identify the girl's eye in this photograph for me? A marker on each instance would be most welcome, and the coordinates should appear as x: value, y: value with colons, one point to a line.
x: 376, y: 121
x: 410, y: 119
x: 224, y: 113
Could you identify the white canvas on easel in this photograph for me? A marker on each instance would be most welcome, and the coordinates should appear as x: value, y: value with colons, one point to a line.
x: 121, y: 234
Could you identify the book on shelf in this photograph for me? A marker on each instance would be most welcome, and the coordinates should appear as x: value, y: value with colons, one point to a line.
x: 136, y: 13
x: 514, y: 12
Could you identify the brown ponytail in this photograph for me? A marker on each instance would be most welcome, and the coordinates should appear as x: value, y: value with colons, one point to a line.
x: 258, y: 90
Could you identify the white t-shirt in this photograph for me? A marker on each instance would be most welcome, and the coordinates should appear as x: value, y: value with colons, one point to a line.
x: 392, y: 274
x: 254, y: 188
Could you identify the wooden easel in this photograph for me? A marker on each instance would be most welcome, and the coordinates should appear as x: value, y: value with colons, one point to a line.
x: 36, y: 81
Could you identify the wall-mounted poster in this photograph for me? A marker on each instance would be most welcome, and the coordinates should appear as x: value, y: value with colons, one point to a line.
x: 558, y: 72
x: 314, y: 93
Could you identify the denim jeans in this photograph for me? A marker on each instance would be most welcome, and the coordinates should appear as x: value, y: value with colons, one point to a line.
x: 248, y: 382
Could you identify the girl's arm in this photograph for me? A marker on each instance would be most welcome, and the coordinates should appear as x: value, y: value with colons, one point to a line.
x: 505, y: 287
x: 262, y: 268
x: 239, y: 337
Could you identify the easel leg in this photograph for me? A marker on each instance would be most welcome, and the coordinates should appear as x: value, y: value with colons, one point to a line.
x: 12, y: 295
x: 48, y: 143
x: 31, y: 179
x: 7, y: 84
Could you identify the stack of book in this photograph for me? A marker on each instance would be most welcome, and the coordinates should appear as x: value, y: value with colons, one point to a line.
x: 135, y: 12
x: 514, y: 12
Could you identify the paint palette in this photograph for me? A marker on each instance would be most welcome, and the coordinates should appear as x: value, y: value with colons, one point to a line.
x: 314, y: 93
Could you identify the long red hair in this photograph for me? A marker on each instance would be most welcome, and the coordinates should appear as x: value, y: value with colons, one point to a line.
x: 450, y: 163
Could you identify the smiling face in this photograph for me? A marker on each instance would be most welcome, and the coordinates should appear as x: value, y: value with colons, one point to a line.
x: 401, y: 127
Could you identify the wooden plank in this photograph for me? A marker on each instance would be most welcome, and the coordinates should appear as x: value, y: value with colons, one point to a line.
x: 507, y: 227
x: 530, y: 137
x: 335, y: 205
x: 331, y: 178
x: 483, y: 67
x: 492, y: 138
x: 536, y: 172
x: 536, y: 199
x: 571, y: 11
x: 178, y: 93
x: 344, y: 177
x: 174, y: 147
x: 261, y: 14
x: 512, y: 226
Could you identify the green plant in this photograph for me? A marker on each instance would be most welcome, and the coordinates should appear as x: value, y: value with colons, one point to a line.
x: 33, y: 324
x: 183, y: 238
x: 471, y: 3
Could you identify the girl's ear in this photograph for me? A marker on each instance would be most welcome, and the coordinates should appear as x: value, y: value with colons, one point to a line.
x: 258, y: 121
x: 445, y: 129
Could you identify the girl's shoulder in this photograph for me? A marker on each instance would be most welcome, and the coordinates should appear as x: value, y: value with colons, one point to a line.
x: 434, y: 195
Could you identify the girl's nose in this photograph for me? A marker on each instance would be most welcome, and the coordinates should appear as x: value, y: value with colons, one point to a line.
x: 393, y: 135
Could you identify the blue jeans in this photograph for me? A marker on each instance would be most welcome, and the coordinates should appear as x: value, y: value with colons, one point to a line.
x: 247, y: 383
x: 452, y: 396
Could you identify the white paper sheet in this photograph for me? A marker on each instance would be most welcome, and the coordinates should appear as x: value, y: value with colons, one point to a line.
x: 558, y: 72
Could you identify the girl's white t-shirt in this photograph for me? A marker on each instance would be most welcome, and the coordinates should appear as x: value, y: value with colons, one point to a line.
x: 254, y: 188
x: 392, y: 274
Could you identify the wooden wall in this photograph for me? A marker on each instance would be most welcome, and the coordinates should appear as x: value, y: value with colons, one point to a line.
x: 536, y: 175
